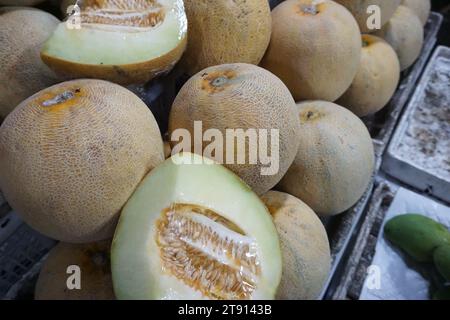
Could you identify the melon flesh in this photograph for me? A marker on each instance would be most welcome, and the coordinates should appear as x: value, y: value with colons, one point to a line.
x: 195, y: 231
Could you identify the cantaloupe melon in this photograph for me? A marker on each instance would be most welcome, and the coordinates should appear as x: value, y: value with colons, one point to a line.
x: 22, y: 73
x: 194, y: 230
x: 125, y: 42
x: 359, y: 9
x: 224, y: 31
x: 304, y: 247
x: 376, y: 80
x: 421, y: 8
x: 404, y: 32
x: 315, y: 48
x: 72, y: 154
x: 90, y: 263
x: 241, y: 96
x: 335, y: 160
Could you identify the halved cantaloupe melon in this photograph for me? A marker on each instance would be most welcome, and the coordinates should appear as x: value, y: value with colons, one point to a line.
x: 124, y: 42
x: 194, y: 230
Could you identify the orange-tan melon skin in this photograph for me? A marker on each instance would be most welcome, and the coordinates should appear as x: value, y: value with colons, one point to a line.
x: 22, y: 73
x: 95, y: 273
x: 335, y: 159
x: 376, y: 80
x: 316, y: 55
x: 19, y: 2
x: 68, y: 167
x: 249, y: 98
x: 404, y: 32
x: 421, y: 8
x: 224, y: 31
x: 359, y: 10
x: 304, y: 247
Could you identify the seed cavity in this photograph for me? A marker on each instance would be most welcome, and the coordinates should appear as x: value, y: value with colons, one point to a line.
x: 207, y: 252
x: 307, y: 116
x: 132, y: 13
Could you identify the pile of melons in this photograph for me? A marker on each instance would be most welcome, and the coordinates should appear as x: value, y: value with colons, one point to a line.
x: 82, y: 159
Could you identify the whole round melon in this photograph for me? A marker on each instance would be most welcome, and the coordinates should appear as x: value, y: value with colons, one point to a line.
x: 245, y: 100
x: 359, y: 9
x: 22, y: 72
x: 376, y: 80
x: 304, y: 247
x: 421, y: 8
x: 19, y: 2
x: 404, y: 32
x: 315, y: 48
x: 71, y: 156
x: 335, y: 159
x: 224, y: 31
x: 90, y: 263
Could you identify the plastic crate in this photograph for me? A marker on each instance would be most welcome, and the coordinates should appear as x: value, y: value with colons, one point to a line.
x: 20, y: 249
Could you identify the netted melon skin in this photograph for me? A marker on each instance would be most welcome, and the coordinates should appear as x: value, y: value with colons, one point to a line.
x: 22, y: 73
x: 67, y: 169
x: 224, y: 31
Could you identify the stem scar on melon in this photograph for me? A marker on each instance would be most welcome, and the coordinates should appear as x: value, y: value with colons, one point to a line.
x: 217, y: 81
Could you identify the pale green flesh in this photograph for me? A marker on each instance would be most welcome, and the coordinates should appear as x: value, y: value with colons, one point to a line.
x: 136, y: 264
x: 105, y: 45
